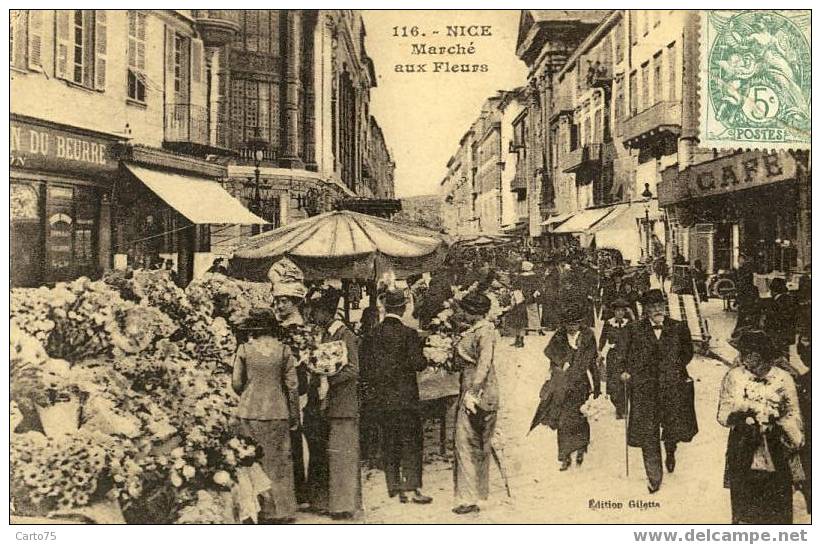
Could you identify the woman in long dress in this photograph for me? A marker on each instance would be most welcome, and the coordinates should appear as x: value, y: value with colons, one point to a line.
x: 759, y: 403
x: 574, y: 373
x: 265, y: 378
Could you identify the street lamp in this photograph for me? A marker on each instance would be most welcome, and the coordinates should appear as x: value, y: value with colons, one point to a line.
x: 647, y: 195
x: 257, y: 146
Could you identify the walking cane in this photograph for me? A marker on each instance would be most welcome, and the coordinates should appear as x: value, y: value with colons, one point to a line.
x: 626, y: 424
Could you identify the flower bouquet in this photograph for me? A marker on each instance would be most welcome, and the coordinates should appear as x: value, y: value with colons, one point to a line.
x: 765, y: 404
x: 594, y: 408
x: 328, y: 358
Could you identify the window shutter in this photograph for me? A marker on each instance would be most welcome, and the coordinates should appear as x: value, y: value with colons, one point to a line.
x: 169, y: 66
x: 141, y: 41
x: 64, y: 52
x: 35, y: 39
x: 196, y: 61
x: 100, y: 48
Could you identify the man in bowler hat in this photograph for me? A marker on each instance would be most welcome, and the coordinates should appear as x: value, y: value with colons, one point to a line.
x: 393, y: 354
x: 660, y: 389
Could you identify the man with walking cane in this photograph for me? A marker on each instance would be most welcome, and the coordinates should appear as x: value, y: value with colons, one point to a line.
x: 660, y: 390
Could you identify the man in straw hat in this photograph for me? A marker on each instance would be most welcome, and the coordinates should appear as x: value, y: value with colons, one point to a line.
x: 393, y: 355
x: 477, y: 407
x: 332, y: 420
x: 660, y: 389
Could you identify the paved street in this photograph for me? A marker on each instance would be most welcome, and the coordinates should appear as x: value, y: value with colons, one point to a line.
x: 542, y: 494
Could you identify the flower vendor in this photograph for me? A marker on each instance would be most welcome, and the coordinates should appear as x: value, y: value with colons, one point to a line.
x: 332, y: 419
x: 265, y: 378
x: 478, y: 404
x: 572, y: 356
x: 759, y: 403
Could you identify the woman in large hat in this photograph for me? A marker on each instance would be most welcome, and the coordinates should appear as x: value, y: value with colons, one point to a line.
x: 288, y: 291
x: 573, y: 356
x: 478, y: 404
x: 613, y: 346
x: 265, y: 378
x: 332, y: 419
x: 759, y: 403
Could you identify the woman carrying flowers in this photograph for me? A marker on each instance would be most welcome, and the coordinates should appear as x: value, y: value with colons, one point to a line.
x: 332, y: 415
x: 265, y: 378
x: 759, y: 403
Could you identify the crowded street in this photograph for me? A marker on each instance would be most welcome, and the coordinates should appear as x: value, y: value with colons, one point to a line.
x: 423, y: 266
x: 539, y: 491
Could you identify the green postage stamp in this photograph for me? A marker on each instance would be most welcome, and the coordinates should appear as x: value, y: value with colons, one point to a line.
x: 755, y: 73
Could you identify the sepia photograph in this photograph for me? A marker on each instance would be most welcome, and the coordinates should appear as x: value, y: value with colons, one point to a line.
x: 410, y: 266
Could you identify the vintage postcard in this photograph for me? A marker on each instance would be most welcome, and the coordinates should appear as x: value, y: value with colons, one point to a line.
x: 320, y: 266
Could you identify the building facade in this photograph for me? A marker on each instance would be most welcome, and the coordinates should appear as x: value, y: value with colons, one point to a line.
x: 139, y: 136
x: 458, y: 190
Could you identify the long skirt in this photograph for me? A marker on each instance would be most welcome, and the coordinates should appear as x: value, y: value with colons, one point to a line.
x: 334, y: 483
x: 473, y: 451
x: 534, y: 320
x: 762, y: 498
x: 274, y: 437
x: 573, y: 433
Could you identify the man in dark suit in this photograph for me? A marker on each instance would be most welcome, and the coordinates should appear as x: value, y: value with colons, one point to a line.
x: 394, y: 355
x: 661, y: 391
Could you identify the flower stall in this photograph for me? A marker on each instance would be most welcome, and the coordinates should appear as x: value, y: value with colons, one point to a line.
x: 122, y: 409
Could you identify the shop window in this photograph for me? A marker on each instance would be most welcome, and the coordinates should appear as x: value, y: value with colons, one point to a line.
x: 136, y: 55
x: 71, y: 227
x: 81, y: 47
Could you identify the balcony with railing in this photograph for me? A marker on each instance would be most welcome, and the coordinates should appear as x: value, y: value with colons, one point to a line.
x: 217, y: 26
x: 659, y: 119
x: 186, y: 123
x: 519, y: 181
x: 580, y: 158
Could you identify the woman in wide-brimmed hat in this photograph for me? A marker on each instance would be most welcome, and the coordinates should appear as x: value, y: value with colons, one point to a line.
x: 265, y: 378
x: 572, y: 356
x: 759, y: 403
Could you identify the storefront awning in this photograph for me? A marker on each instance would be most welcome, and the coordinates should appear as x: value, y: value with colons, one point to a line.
x: 557, y: 219
x: 582, y: 221
x: 622, y: 228
x: 201, y: 201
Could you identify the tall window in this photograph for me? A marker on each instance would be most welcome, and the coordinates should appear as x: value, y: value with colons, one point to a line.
x: 671, y: 71
x: 136, y: 55
x: 658, y: 94
x: 80, y: 35
x: 645, y: 22
x: 634, y: 22
x: 259, y: 31
x: 645, y: 86
x: 619, y: 37
x: 81, y: 44
x: 634, y: 93
x: 597, y: 128
x: 254, y: 106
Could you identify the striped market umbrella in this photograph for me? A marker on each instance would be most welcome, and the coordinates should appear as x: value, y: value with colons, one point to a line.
x: 342, y: 244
